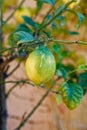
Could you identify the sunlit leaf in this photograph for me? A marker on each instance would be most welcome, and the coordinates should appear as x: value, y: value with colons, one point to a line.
x: 22, y: 37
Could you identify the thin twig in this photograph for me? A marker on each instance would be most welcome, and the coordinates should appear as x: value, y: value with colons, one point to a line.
x: 17, y: 66
x: 67, y: 42
x: 53, y: 18
x: 24, y: 81
x: 49, y: 39
x: 14, y: 47
x: 7, y: 49
x: 8, y: 60
x: 49, y: 11
x: 10, y: 16
x: 4, y: 64
x: 33, y: 110
x: 11, y: 89
x: 43, y: 41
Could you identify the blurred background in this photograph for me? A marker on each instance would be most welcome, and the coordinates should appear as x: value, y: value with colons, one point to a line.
x: 50, y: 115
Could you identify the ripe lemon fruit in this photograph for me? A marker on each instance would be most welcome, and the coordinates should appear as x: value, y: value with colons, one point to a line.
x: 22, y: 12
x: 40, y: 65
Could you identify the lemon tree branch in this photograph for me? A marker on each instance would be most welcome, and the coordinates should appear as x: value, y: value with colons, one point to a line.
x: 59, y: 12
x: 11, y: 15
x: 66, y: 41
x: 33, y: 110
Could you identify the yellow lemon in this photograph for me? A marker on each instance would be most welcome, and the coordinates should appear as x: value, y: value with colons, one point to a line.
x: 40, y: 65
x: 22, y: 12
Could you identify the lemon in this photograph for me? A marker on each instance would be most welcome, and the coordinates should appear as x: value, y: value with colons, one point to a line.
x: 40, y: 65
x: 22, y: 12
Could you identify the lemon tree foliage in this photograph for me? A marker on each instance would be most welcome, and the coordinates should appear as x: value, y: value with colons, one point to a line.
x: 63, y: 71
x: 52, y: 2
x: 45, y: 54
x: 22, y: 37
x: 72, y: 94
x: 30, y: 22
x: 82, y: 81
x: 80, y: 19
x: 21, y: 33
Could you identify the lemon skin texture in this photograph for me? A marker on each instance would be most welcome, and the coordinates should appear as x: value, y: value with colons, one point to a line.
x: 40, y: 66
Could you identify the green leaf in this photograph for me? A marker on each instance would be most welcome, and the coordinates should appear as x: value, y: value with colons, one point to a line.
x: 23, y: 27
x: 52, y: 2
x: 30, y: 22
x: 48, y: 17
x: 82, y: 67
x: 72, y: 32
x: 11, y: 41
x: 56, y: 48
x: 59, y: 50
x: 72, y: 94
x: 61, y: 8
x: 54, y: 25
x: 62, y: 70
x: 61, y: 20
x: 82, y: 81
x: 39, y: 6
x: 61, y: 17
x: 22, y: 37
x: 20, y: 27
x: 81, y: 18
